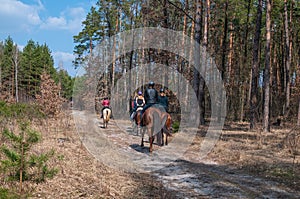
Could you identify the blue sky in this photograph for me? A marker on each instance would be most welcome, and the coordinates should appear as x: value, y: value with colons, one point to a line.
x: 45, y: 21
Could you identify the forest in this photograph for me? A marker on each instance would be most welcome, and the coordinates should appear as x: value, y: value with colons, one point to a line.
x: 21, y: 70
x: 52, y: 142
x: 254, y: 44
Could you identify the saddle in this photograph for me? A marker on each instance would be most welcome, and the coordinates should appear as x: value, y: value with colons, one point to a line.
x: 139, y: 109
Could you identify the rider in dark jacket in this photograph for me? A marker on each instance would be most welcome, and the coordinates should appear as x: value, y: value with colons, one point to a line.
x: 163, y: 100
x: 151, y: 96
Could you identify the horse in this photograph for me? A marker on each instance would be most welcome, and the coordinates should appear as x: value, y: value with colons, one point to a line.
x: 106, y: 116
x: 138, y: 120
x: 154, y: 122
x: 167, y: 128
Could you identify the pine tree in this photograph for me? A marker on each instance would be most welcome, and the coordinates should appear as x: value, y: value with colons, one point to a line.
x: 7, y: 70
x: 19, y: 163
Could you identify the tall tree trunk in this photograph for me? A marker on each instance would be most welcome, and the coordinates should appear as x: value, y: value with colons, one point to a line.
x: 0, y: 79
x: 16, y: 62
x: 130, y: 65
x: 298, y: 120
x: 230, y: 58
x: 266, y: 119
x: 114, y: 53
x: 287, y: 58
x: 190, y: 55
x: 166, y: 57
x: 182, y: 64
x: 13, y: 77
x: 198, y: 79
x: 245, y: 57
x: 298, y: 84
x: 224, y: 45
x: 255, y: 66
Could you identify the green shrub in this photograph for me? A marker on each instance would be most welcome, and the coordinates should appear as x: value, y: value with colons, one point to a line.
x: 19, y: 163
x: 7, y: 194
x: 175, y: 126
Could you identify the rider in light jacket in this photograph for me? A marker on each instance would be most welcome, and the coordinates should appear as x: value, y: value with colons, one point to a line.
x: 139, y: 101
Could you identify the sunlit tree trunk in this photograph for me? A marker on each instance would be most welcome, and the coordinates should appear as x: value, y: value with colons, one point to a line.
x: 190, y: 55
x: 16, y: 62
x: 114, y: 52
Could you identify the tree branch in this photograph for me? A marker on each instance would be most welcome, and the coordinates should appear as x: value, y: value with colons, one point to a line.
x: 181, y: 10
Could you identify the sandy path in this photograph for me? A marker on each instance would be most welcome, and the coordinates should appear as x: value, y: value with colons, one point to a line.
x: 184, y: 173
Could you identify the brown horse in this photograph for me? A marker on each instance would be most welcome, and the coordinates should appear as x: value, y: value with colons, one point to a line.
x: 154, y: 122
x: 138, y: 120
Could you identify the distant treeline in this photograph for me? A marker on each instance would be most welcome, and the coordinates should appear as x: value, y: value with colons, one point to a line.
x: 20, y: 71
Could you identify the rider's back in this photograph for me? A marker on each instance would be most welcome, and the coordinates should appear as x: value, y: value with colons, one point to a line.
x: 151, y: 96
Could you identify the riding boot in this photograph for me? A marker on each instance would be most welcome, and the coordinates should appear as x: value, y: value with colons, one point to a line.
x: 132, y: 115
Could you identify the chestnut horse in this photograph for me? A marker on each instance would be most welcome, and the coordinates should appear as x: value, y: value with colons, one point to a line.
x: 154, y: 122
x: 106, y: 116
x: 138, y: 120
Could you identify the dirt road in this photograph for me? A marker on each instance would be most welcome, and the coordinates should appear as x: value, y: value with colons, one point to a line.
x: 186, y: 174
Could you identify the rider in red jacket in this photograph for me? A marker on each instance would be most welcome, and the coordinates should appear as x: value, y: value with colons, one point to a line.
x: 105, y: 102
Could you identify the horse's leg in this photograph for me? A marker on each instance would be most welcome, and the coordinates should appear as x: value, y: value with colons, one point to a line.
x: 138, y: 122
x: 142, y: 143
x: 162, y: 138
x: 151, y: 139
x: 166, y: 139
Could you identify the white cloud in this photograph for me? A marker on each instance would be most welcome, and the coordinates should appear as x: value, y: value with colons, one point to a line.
x: 64, y: 56
x: 70, y: 19
x: 17, y: 16
x: 54, y: 23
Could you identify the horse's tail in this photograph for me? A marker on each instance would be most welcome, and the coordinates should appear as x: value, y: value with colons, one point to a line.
x: 108, y: 112
x: 156, y: 122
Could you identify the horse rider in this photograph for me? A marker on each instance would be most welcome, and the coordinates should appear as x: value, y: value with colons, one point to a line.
x: 106, y: 104
x: 151, y: 97
x: 139, y: 103
x: 163, y: 100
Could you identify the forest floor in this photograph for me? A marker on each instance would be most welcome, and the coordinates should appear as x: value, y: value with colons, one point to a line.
x: 109, y: 163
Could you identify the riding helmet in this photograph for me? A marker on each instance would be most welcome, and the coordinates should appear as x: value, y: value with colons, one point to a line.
x: 151, y: 83
x: 140, y: 93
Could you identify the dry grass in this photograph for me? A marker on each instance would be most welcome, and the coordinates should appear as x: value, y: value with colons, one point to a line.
x: 80, y: 174
x: 273, y: 155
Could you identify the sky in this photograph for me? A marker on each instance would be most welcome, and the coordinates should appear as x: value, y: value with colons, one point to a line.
x: 50, y: 22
